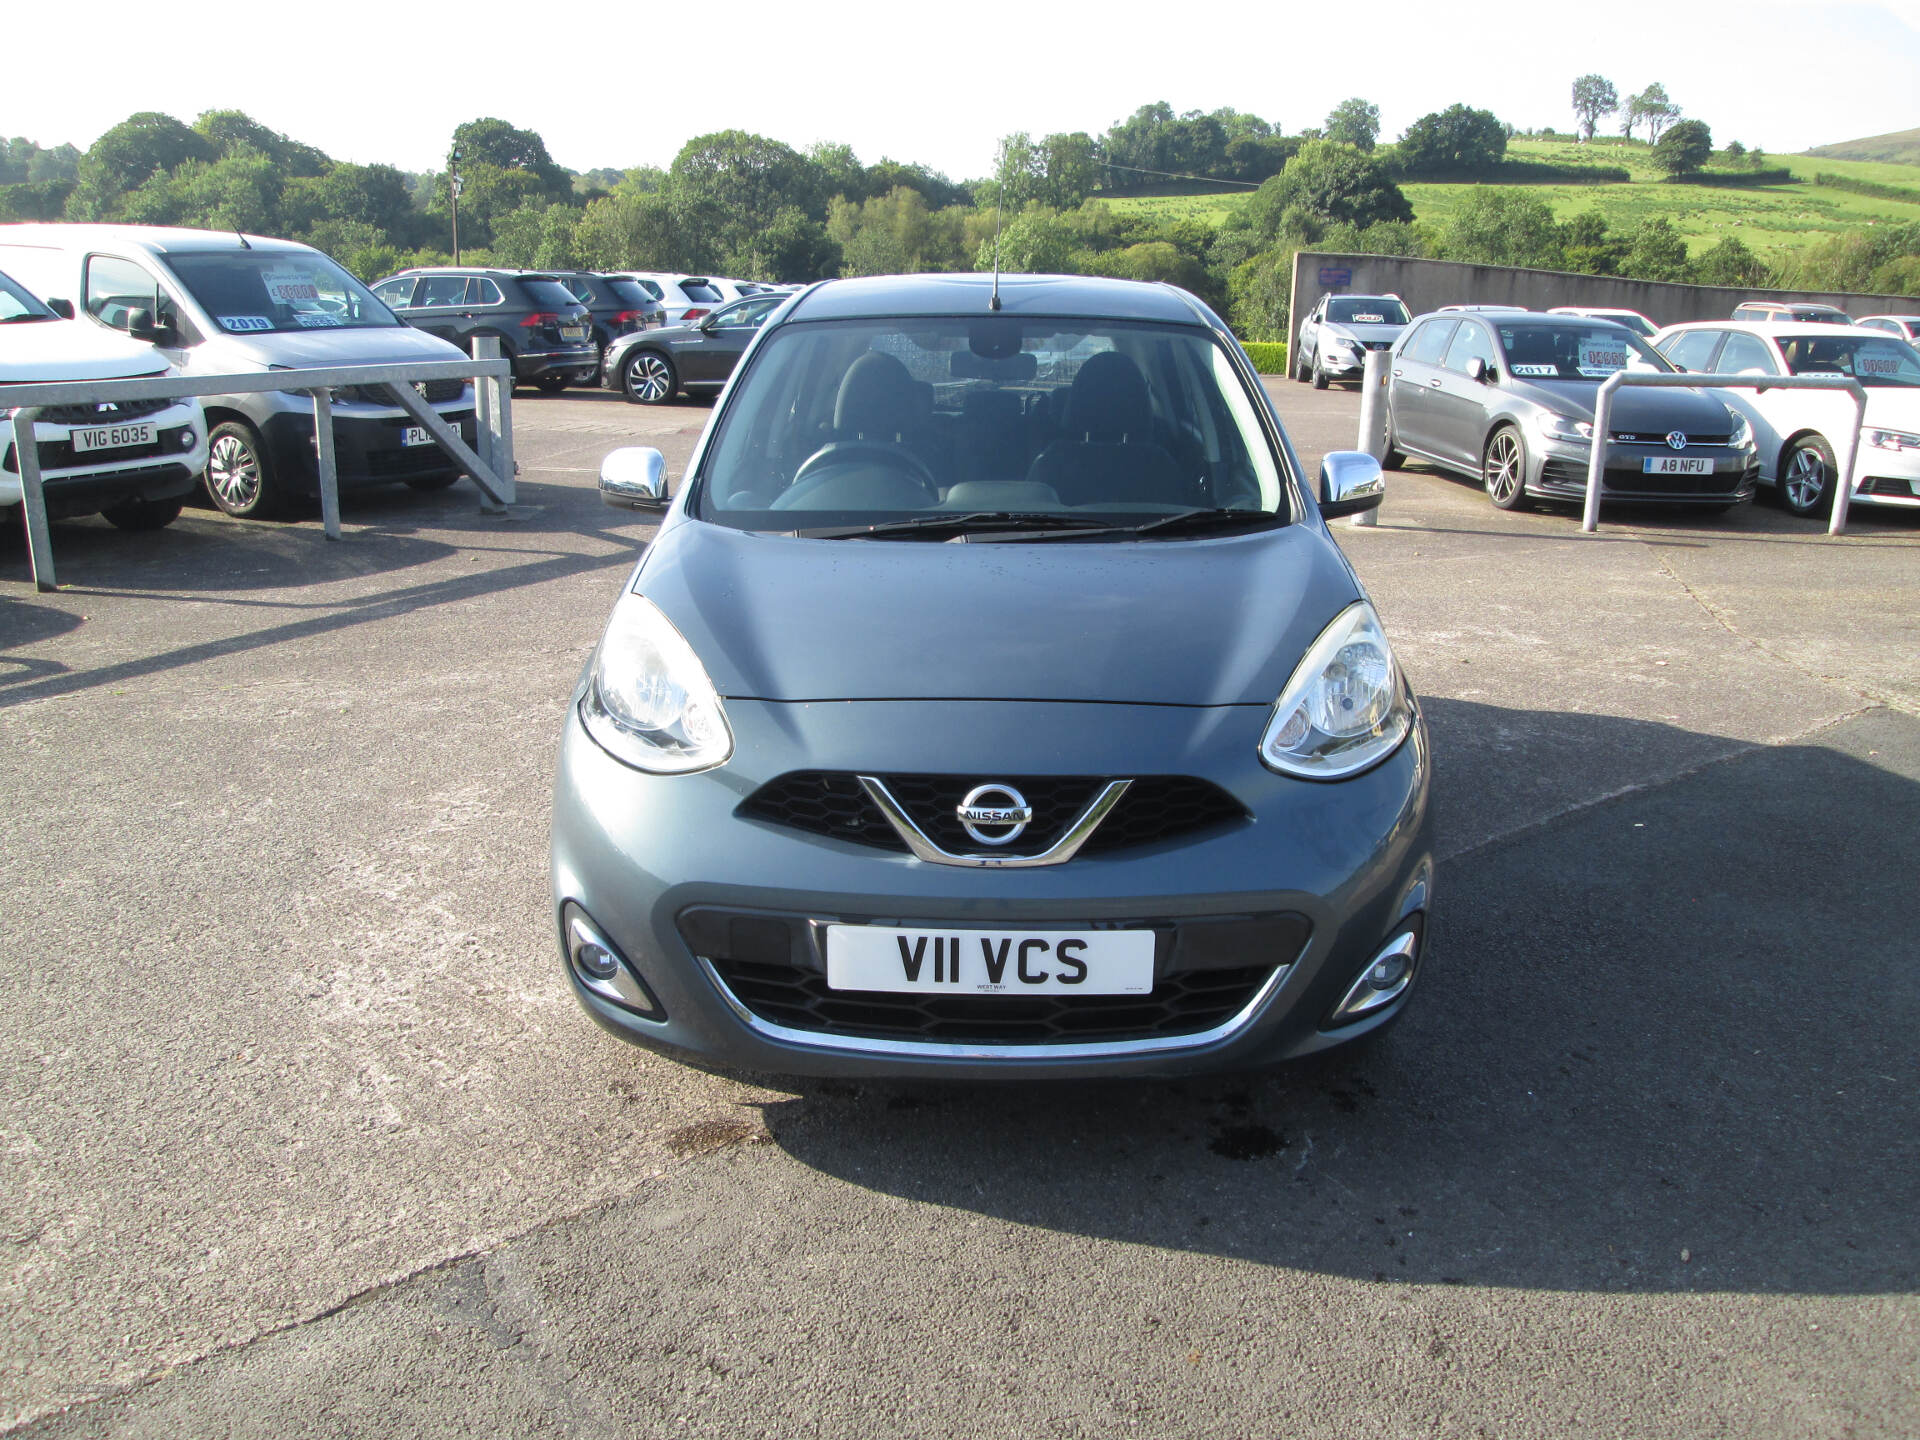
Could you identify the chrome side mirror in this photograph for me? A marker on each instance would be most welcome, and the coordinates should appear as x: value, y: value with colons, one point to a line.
x: 634, y: 477
x: 1350, y: 481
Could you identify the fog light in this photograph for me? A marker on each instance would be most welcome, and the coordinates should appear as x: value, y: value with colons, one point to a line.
x: 1384, y: 981
x: 602, y: 968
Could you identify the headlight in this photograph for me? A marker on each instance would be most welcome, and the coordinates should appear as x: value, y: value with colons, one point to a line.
x: 1742, y: 428
x: 1345, y: 709
x: 649, y: 703
x: 1892, y: 440
x: 1558, y: 427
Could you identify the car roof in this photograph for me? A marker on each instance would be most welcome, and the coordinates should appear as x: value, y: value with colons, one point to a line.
x: 1351, y: 295
x: 161, y: 239
x: 1904, y: 319
x: 1083, y: 297
x: 1771, y: 330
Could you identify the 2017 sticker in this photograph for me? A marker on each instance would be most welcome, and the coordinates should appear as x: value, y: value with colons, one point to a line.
x: 1537, y: 371
x: 243, y: 324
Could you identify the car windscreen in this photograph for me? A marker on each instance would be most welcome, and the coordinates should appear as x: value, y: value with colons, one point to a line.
x: 17, y: 304
x: 1366, y: 312
x: 1575, y: 350
x: 869, y: 421
x: 631, y: 292
x: 1820, y: 315
x: 1875, y: 360
x: 247, y: 291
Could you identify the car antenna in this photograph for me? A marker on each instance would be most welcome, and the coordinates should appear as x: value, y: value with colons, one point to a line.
x: 999, y: 214
x: 243, y: 240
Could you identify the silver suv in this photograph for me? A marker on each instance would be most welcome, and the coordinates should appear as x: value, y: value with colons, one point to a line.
x: 1338, y: 332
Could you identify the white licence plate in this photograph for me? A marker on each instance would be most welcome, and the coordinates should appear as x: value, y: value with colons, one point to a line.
x: 1675, y: 465
x: 416, y: 435
x: 990, y: 962
x: 112, y: 437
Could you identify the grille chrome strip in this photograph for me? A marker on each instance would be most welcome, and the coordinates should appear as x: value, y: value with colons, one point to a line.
x: 1062, y: 850
x: 960, y: 1050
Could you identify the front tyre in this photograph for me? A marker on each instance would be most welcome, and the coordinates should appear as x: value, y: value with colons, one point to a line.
x: 1503, y: 469
x: 1807, y: 476
x: 143, y: 514
x: 648, y: 378
x: 240, y: 475
x: 1319, y: 375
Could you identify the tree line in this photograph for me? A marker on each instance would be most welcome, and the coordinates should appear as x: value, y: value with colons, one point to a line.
x: 737, y: 203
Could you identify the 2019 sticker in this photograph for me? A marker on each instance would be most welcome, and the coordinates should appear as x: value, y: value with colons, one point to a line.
x: 243, y: 324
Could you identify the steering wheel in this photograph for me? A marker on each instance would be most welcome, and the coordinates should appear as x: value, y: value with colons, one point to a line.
x: 836, y: 453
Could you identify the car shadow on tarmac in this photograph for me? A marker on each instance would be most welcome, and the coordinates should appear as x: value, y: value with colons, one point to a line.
x: 1663, y: 1043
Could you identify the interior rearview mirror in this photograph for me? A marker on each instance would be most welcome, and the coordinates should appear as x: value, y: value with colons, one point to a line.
x: 1350, y: 481
x: 634, y: 477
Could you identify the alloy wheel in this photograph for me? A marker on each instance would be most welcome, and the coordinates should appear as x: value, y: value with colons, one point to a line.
x: 1503, y: 466
x: 648, y: 378
x: 1805, y: 480
x: 233, y: 472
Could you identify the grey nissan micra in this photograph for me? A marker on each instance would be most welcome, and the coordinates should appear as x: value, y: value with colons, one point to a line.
x: 993, y: 702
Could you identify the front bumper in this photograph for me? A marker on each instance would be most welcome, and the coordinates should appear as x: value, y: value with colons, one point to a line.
x: 85, y: 482
x: 368, y: 448
x: 1557, y: 470
x: 1311, y: 885
x: 1887, y: 477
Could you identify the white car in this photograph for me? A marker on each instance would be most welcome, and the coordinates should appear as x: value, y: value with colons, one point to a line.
x: 1803, y: 435
x: 1907, y: 327
x: 1339, y: 331
x: 686, y: 298
x: 133, y: 461
x: 1632, y: 319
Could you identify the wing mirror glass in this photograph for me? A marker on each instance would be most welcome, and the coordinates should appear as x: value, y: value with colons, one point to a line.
x: 1350, y: 481
x: 634, y: 477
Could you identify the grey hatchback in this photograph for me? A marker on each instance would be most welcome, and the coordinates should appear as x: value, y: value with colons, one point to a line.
x: 541, y: 327
x: 993, y: 702
x: 1509, y: 400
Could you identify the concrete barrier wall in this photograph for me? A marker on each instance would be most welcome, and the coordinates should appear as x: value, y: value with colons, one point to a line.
x: 1429, y: 284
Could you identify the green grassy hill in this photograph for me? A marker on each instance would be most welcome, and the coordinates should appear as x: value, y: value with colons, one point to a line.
x: 1772, y: 220
x: 1902, y: 147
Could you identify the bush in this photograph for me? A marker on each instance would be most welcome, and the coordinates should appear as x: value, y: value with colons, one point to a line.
x: 1269, y: 356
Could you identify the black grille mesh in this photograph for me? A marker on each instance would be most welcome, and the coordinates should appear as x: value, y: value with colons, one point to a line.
x: 92, y: 414
x: 1182, y: 1004
x: 1155, y: 807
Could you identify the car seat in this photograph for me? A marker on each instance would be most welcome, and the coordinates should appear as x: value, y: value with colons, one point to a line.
x: 1107, y: 454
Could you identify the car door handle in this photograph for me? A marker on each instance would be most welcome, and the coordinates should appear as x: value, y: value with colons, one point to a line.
x: 1398, y: 373
x: 1434, y: 383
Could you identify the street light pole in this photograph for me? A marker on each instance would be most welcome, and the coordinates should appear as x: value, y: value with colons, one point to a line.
x: 453, y: 188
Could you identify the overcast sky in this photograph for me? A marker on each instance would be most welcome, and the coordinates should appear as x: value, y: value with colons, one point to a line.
x: 935, y: 84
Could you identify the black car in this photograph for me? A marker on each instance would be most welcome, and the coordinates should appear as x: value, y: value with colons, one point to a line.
x: 652, y: 366
x: 542, y: 328
x: 1508, y: 398
x: 619, y: 306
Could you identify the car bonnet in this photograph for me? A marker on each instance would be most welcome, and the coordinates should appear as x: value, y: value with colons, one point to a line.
x: 1219, y: 621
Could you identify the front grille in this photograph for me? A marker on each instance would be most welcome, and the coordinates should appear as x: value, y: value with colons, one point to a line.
x: 60, y: 454
x: 1572, y: 472
x: 434, y: 392
x: 1155, y: 807
x: 1184, y: 1004
x: 116, y: 413
x: 1886, y: 485
x: 1647, y: 437
x: 1378, y: 344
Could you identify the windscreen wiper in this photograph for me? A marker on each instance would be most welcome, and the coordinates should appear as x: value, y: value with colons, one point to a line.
x: 940, y: 525
x: 1205, y: 519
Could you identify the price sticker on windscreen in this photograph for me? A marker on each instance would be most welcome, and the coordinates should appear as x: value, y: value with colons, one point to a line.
x: 290, y: 287
x: 1867, y: 363
x: 1602, y: 357
x: 1369, y: 319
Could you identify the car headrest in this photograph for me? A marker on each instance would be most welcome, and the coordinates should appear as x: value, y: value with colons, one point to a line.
x: 878, y: 399
x: 1108, y: 399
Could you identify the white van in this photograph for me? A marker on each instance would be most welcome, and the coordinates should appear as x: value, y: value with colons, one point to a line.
x: 133, y: 461
x: 221, y: 303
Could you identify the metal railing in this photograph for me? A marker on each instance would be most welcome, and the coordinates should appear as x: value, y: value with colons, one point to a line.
x: 492, y: 468
x: 1603, y: 413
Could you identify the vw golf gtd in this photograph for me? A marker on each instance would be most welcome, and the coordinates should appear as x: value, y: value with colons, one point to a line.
x: 993, y: 702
